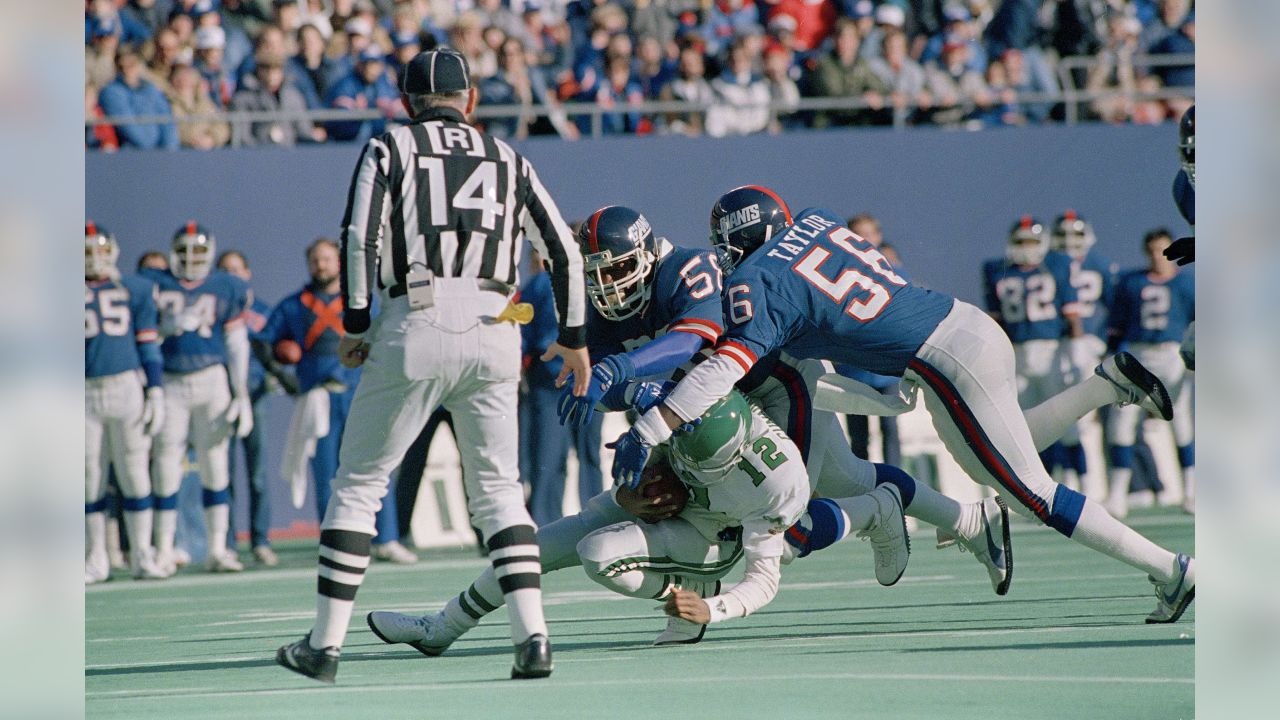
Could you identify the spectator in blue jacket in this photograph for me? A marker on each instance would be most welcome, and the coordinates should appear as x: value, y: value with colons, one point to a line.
x: 1180, y: 42
x: 312, y: 67
x: 102, y: 16
x: 368, y: 87
x: 130, y: 95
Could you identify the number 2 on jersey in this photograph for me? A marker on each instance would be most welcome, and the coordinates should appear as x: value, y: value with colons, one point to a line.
x: 838, y: 288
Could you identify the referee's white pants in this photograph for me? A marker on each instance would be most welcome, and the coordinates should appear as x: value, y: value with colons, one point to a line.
x: 450, y: 355
x: 966, y: 370
x: 195, y: 412
x: 113, y: 433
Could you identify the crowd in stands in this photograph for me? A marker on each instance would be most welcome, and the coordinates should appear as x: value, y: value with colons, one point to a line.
x: 971, y: 63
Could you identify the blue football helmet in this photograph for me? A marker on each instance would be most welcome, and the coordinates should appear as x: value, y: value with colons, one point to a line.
x: 1028, y: 242
x: 1187, y: 144
x: 619, y: 254
x: 743, y: 219
x: 192, y: 252
x: 1073, y: 235
x: 100, y: 251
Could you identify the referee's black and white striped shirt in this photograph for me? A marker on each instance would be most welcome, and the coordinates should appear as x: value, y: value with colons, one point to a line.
x: 442, y: 195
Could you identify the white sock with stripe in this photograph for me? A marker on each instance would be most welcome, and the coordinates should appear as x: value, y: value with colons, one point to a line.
x: 344, y: 557
x: 517, y: 566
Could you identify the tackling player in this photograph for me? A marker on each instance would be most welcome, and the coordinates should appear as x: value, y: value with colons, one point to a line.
x: 121, y: 354
x: 810, y: 285
x: 1154, y: 306
x: 206, y: 368
x: 746, y: 486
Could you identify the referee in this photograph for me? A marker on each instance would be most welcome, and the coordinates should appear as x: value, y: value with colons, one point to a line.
x: 433, y: 225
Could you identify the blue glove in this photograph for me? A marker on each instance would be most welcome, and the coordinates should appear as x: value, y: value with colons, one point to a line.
x: 629, y: 457
x: 612, y: 371
x: 644, y: 395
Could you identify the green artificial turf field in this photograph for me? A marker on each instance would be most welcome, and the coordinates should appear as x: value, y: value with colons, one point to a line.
x: 1067, y: 642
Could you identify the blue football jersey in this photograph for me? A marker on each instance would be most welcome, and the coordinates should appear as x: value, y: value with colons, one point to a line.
x: 1184, y: 194
x: 1030, y: 302
x: 119, y: 322
x: 313, y: 320
x: 686, y: 298
x: 1094, y: 280
x: 818, y: 290
x: 1147, y: 310
x: 197, y: 312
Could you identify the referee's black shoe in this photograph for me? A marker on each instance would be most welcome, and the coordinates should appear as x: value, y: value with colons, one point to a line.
x: 303, y: 659
x: 533, y: 658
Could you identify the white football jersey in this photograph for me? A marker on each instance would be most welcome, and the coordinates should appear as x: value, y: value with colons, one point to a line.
x: 766, y: 491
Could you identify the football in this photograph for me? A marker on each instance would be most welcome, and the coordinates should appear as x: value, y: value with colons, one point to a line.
x: 288, y: 352
x: 659, y: 479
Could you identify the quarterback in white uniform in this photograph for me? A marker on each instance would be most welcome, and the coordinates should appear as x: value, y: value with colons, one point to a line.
x: 746, y: 486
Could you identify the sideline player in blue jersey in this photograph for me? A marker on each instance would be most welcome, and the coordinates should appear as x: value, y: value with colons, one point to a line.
x: 206, y: 368
x: 1094, y: 278
x: 810, y: 285
x: 121, y: 353
x: 1153, y: 308
x: 1029, y: 292
x: 312, y: 317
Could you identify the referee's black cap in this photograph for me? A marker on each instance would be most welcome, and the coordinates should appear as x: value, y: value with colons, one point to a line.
x: 436, y: 71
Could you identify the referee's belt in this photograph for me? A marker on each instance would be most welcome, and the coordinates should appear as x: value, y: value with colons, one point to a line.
x: 481, y: 283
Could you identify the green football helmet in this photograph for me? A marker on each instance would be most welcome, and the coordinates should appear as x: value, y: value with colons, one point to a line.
x: 709, y: 451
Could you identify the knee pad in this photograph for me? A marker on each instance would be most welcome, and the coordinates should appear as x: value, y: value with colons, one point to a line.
x: 896, y: 475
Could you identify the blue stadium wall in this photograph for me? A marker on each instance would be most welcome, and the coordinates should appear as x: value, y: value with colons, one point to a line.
x: 946, y: 198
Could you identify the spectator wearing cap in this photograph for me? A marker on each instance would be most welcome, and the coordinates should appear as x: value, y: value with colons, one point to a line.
x: 725, y: 20
x: 957, y: 27
x: 1182, y: 42
x: 691, y: 86
x: 904, y: 76
x: 211, y: 62
x: 863, y: 14
x: 358, y: 32
x: 131, y: 95
x: 742, y: 97
x: 784, y: 94
x: 368, y: 87
x: 888, y: 18
x: 312, y: 67
x: 100, y: 13
x: 236, y: 44
x: 187, y: 97
x: 100, y: 53
x: 268, y: 91
x: 842, y: 72
x: 814, y: 19
x: 959, y: 89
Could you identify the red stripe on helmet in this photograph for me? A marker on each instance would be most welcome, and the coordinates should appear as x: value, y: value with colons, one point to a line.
x: 90, y: 228
x: 786, y: 211
x: 591, y: 232
x: 1026, y: 222
x: 1069, y: 215
x: 191, y: 227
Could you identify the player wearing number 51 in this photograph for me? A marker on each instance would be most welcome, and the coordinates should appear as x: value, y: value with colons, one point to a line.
x: 121, y: 352
x: 206, y: 373
x: 808, y: 285
x: 435, y: 221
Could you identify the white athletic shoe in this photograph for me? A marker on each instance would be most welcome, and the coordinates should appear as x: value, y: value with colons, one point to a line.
x: 177, y: 557
x: 96, y: 569
x: 265, y: 556
x: 680, y: 632
x: 143, y: 565
x: 428, y: 634
x: 991, y: 546
x: 1172, y: 598
x: 393, y: 552
x: 227, y: 562
x: 1136, y: 384
x: 888, y: 534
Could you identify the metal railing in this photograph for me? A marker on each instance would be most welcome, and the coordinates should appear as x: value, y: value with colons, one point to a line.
x: 1070, y: 96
